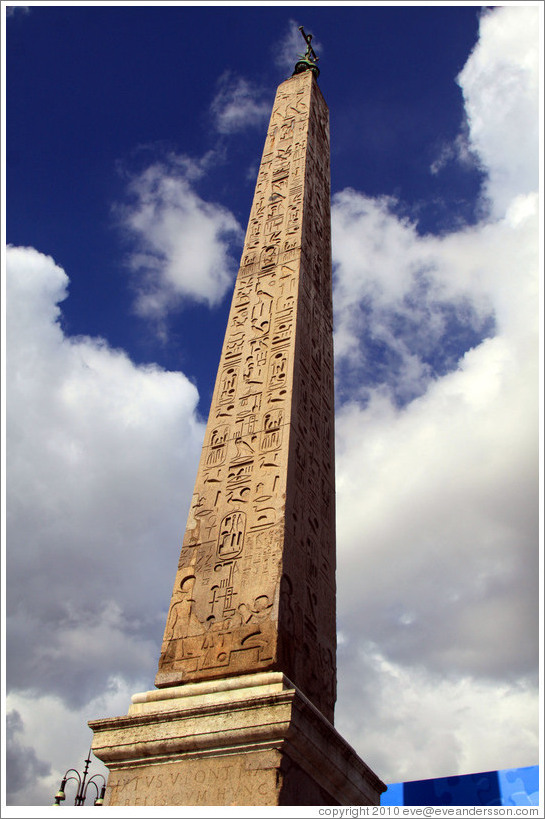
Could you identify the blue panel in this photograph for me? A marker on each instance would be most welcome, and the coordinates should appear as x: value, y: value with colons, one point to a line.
x: 519, y: 786
x: 512, y: 786
x: 393, y: 796
x: 471, y: 789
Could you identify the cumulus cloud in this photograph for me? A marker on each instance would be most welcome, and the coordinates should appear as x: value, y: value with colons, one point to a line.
x: 408, y: 307
x: 180, y: 244
x: 408, y: 723
x: 447, y: 500
x: 238, y: 105
x: 21, y: 762
x: 437, y: 458
x: 59, y: 733
x: 500, y: 84
x: 101, y: 460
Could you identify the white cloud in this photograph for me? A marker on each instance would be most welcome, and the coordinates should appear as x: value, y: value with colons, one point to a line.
x: 182, y: 243
x: 101, y: 461
x: 500, y: 86
x: 239, y: 105
x: 408, y: 723
x: 59, y: 733
x: 447, y: 500
x: 500, y: 83
x: 22, y: 763
x: 406, y: 290
x: 438, y: 495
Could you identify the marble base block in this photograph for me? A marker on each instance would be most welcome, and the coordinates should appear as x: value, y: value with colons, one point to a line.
x: 251, y: 740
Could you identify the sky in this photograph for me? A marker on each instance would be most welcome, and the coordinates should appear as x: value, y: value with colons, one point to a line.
x: 133, y: 140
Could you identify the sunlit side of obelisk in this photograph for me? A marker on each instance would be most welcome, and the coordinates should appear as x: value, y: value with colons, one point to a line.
x: 247, y: 674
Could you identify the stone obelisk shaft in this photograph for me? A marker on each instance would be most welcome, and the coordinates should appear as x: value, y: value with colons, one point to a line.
x: 255, y: 587
x: 246, y: 681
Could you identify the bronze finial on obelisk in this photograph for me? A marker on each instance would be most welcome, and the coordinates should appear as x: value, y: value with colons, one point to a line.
x: 247, y: 674
x: 308, y: 60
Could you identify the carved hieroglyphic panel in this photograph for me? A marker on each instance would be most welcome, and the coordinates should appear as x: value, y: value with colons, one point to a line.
x: 255, y: 587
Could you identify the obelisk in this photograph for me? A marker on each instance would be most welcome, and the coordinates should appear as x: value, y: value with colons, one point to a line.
x: 247, y: 675
x: 255, y: 588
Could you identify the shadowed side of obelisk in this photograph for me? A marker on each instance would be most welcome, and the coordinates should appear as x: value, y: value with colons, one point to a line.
x: 307, y: 616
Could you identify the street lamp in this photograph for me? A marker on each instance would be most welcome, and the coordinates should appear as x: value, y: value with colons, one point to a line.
x: 83, y: 784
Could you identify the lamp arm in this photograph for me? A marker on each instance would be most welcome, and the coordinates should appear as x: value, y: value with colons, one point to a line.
x: 60, y: 795
x: 92, y: 782
x: 100, y: 793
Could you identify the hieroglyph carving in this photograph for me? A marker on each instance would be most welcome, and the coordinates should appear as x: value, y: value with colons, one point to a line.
x: 255, y: 587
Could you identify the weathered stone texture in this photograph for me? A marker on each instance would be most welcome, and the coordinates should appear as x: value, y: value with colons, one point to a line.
x: 259, y: 778
x: 223, y: 781
x: 252, y: 740
x: 255, y: 587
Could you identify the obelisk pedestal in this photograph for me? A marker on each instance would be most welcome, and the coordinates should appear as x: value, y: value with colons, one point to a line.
x: 252, y: 740
x: 247, y: 672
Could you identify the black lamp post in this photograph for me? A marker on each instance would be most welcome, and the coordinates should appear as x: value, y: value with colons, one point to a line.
x: 83, y: 784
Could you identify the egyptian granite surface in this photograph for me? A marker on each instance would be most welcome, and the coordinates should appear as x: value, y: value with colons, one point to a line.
x: 255, y: 586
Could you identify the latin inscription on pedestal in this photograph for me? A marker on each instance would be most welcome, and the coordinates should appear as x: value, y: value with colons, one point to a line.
x: 213, y: 781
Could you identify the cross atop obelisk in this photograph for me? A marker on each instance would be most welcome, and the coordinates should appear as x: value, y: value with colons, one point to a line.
x: 308, y: 60
x: 246, y: 678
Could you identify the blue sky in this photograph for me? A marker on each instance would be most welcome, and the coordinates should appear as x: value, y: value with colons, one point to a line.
x: 134, y: 135
x: 115, y: 89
